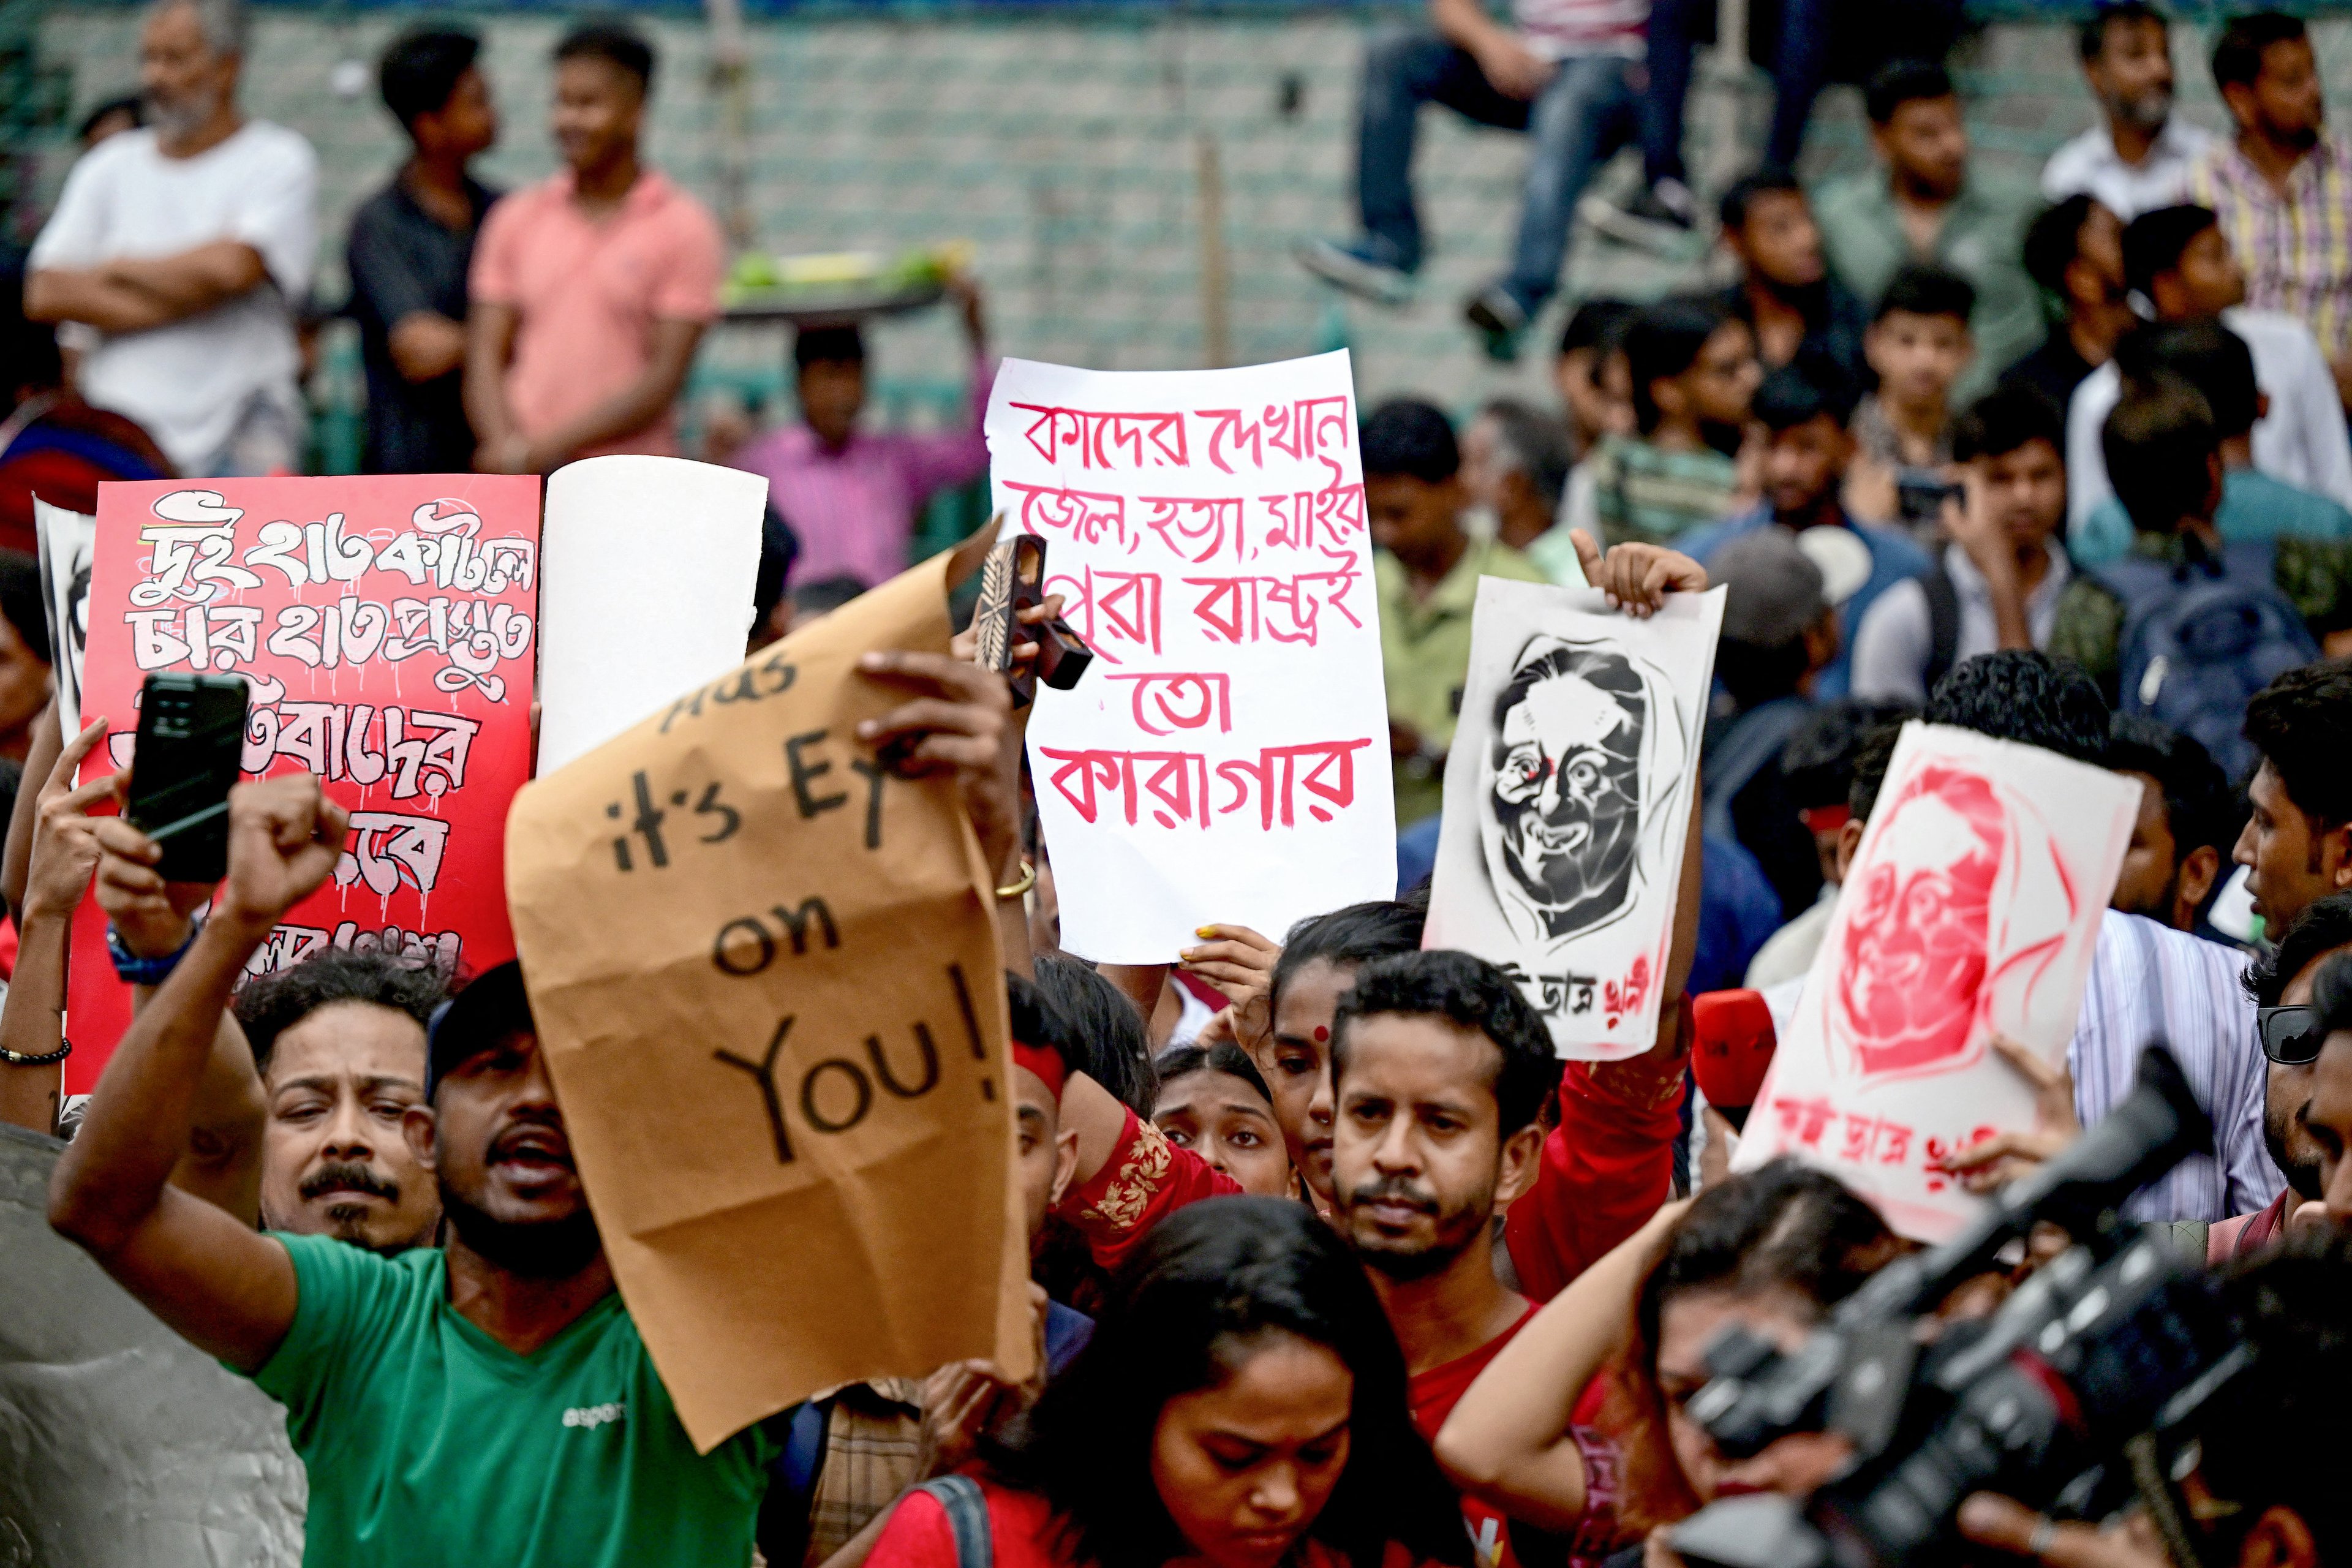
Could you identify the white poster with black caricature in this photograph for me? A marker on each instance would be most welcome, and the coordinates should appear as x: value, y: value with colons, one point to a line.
x: 1568, y: 800
x: 67, y: 540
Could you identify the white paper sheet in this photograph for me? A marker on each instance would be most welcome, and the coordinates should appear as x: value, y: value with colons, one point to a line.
x: 1226, y: 758
x: 1972, y: 906
x: 1568, y: 800
x: 649, y: 565
x: 67, y: 540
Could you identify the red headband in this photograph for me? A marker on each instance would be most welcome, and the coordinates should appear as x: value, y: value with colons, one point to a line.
x: 1044, y: 1062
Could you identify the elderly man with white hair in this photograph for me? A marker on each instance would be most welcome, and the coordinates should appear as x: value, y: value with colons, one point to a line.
x: 185, y: 246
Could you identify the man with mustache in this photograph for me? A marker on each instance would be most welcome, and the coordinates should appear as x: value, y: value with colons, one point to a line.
x: 2280, y: 186
x: 399, y: 1374
x: 186, y: 246
x: 338, y: 1041
x: 488, y: 1400
x: 1568, y: 795
x: 2140, y: 158
x: 1439, y: 1067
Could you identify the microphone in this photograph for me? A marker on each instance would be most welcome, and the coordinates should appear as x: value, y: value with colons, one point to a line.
x: 1733, y: 1049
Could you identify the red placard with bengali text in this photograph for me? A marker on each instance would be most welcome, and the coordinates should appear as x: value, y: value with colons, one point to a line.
x: 388, y: 628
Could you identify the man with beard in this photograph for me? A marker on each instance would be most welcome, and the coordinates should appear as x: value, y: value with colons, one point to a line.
x: 2297, y: 842
x: 1785, y: 293
x: 2187, y: 821
x: 2284, y: 979
x: 338, y: 1041
x: 1693, y: 371
x: 2075, y: 252
x: 2147, y: 981
x: 1926, y: 204
x: 2140, y: 158
x: 1567, y: 801
x: 1439, y: 1066
x: 187, y: 247
x: 401, y: 1375
x: 2280, y: 186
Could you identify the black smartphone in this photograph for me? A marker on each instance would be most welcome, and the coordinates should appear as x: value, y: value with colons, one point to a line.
x: 1012, y: 579
x: 1920, y: 494
x: 191, y: 740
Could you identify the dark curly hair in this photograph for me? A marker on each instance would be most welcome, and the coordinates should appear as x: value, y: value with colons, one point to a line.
x: 273, y: 1003
x: 1470, y: 993
x: 2023, y: 694
x: 1208, y: 1285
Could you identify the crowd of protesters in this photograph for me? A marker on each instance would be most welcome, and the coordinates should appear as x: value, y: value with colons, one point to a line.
x: 1334, y: 1260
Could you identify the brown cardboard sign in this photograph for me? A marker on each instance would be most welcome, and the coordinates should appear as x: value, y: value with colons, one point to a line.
x: 766, y: 976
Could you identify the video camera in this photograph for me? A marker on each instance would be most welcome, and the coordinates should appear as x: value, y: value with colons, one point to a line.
x: 2072, y: 1396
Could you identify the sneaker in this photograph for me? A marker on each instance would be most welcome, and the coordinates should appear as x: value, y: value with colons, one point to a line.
x: 1662, y: 219
x: 1499, y: 320
x: 1358, y: 267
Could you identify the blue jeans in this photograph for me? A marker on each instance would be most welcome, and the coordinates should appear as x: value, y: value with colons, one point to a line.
x: 1587, y: 111
x: 1801, y: 60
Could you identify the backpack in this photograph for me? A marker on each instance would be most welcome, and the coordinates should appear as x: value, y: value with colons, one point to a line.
x: 966, y: 1510
x: 1943, y: 624
x: 2200, y: 637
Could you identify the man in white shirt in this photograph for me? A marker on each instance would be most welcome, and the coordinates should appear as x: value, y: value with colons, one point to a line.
x: 2176, y: 259
x: 185, y: 246
x: 2146, y: 983
x: 2001, y: 577
x: 2139, y: 159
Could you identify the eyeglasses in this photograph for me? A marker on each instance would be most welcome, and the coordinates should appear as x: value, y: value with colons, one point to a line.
x: 2291, y: 1035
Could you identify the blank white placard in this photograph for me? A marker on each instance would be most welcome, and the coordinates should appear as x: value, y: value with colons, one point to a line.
x: 645, y: 593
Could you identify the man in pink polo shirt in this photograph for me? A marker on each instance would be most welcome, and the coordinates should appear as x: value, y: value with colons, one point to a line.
x: 592, y: 290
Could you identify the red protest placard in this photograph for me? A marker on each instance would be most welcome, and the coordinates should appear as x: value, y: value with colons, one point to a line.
x: 387, y: 626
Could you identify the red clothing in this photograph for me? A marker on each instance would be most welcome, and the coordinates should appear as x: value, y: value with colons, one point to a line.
x: 2248, y: 1234
x: 1025, y: 1535
x: 1606, y: 1169
x: 1146, y: 1179
x: 1433, y: 1395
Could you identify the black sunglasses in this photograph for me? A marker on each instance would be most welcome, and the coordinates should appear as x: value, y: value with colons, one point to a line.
x: 2291, y: 1035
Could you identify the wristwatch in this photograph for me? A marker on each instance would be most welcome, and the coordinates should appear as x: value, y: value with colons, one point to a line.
x: 134, y: 970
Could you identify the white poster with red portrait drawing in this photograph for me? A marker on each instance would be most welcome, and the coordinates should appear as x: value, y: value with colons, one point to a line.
x: 1227, y: 757
x: 387, y: 628
x: 1568, y: 802
x: 1972, y: 906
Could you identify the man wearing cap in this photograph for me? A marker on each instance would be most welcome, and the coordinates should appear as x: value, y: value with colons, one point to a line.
x: 1780, y: 632
x: 401, y: 1375
x: 1804, y: 413
x: 490, y: 1400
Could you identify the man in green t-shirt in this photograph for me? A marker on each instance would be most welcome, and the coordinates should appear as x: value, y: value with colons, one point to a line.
x: 491, y: 1401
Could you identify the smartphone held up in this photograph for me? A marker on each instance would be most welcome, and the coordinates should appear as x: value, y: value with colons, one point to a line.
x: 191, y: 739
x: 1012, y: 580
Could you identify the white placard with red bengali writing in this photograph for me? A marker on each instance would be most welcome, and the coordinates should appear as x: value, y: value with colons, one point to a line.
x: 1972, y: 906
x: 1227, y: 757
